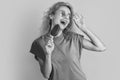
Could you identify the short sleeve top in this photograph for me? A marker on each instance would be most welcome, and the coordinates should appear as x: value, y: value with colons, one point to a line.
x: 65, y: 57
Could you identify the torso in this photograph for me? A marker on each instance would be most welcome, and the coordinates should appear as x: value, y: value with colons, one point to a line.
x: 66, y: 57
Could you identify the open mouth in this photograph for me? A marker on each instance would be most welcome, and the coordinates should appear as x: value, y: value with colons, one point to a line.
x: 63, y: 22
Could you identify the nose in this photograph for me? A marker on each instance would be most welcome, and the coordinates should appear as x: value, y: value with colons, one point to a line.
x: 66, y: 17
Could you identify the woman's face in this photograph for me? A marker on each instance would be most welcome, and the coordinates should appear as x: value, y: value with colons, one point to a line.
x: 62, y: 17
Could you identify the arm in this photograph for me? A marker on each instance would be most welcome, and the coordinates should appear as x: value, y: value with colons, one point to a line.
x: 94, y: 44
x: 43, y: 56
x: 46, y: 67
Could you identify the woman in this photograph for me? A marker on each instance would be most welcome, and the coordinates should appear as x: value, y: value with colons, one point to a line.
x: 59, y: 53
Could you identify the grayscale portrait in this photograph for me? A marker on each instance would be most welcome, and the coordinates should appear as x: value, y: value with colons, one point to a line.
x: 59, y: 40
x: 58, y: 51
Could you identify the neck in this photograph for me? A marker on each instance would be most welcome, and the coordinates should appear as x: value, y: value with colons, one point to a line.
x: 59, y: 33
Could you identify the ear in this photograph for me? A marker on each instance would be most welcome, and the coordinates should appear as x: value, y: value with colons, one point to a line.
x: 51, y: 17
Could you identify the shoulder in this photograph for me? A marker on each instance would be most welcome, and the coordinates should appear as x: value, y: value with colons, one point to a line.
x: 73, y: 35
x: 40, y: 41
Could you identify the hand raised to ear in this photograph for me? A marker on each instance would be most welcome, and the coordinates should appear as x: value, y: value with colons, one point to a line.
x: 78, y: 20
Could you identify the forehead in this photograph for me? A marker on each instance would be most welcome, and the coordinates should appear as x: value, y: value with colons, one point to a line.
x: 64, y: 8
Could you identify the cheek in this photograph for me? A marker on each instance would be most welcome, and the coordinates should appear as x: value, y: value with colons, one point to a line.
x: 68, y: 22
x: 57, y: 19
x: 58, y: 16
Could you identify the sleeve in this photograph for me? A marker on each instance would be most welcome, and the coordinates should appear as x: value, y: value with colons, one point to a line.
x: 37, y: 50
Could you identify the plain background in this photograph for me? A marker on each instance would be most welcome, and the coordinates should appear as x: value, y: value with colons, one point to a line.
x: 19, y: 25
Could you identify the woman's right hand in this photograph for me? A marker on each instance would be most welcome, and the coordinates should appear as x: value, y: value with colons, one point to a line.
x: 50, y: 46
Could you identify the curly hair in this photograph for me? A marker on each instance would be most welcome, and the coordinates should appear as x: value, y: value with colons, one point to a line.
x: 47, y: 21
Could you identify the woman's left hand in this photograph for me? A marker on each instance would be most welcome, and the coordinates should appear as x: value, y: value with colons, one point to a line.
x: 79, y: 21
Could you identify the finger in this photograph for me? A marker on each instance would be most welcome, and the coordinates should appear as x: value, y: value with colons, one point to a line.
x: 50, y: 42
x: 74, y: 19
x: 75, y: 15
x: 49, y: 46
x: 51, y: 38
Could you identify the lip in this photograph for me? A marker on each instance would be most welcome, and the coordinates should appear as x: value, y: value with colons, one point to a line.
x: 63, y: 21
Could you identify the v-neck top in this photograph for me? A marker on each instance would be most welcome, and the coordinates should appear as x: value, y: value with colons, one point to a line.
x: 65, y: 58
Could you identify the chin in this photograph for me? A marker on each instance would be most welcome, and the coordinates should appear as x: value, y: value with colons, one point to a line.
x: 62, y: 27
